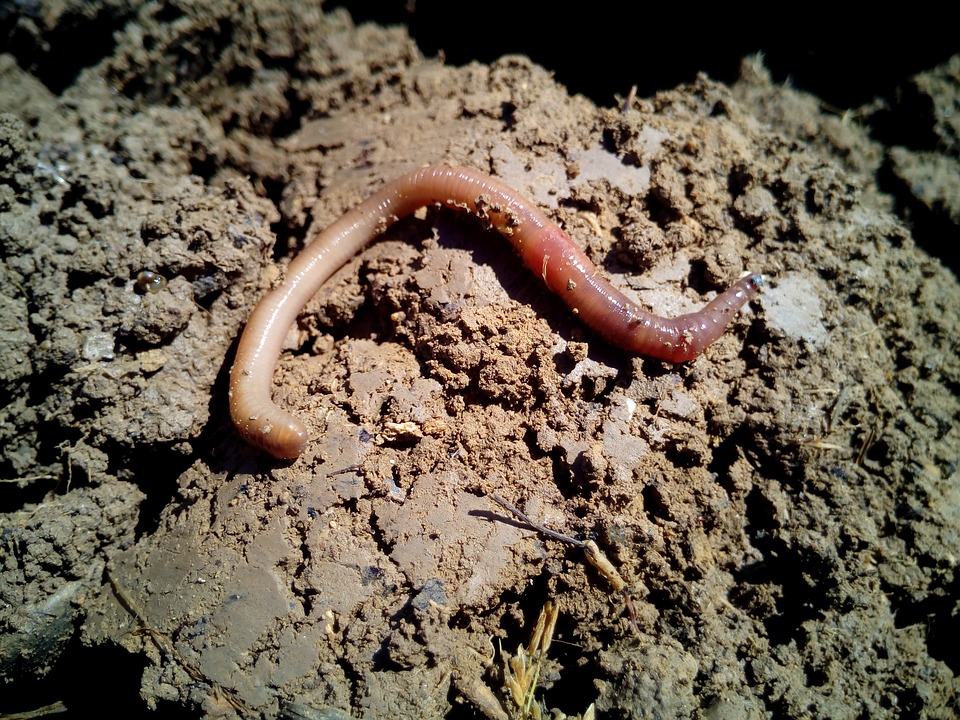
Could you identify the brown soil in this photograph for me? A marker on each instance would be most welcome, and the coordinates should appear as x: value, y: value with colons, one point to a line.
x: 785, y: 509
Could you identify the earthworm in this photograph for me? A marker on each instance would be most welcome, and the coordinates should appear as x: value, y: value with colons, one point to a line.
x: 543, y: 247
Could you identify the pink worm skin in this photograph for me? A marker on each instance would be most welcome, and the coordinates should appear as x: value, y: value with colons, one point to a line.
x: 543, y: 247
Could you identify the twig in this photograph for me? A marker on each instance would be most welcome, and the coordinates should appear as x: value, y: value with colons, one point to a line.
x: 57, y: 707
x: 537, y: 526
x: 593, y: 552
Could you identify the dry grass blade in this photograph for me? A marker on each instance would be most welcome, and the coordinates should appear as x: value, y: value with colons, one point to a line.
x: 521, y: 672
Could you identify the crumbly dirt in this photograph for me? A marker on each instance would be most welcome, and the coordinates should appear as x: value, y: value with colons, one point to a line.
x: 785, y: 509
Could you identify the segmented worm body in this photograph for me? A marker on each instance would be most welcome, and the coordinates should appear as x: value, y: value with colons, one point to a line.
x: 543, y: 247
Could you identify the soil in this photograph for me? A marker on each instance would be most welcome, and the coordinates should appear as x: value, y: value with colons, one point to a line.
x: 784, y: 510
